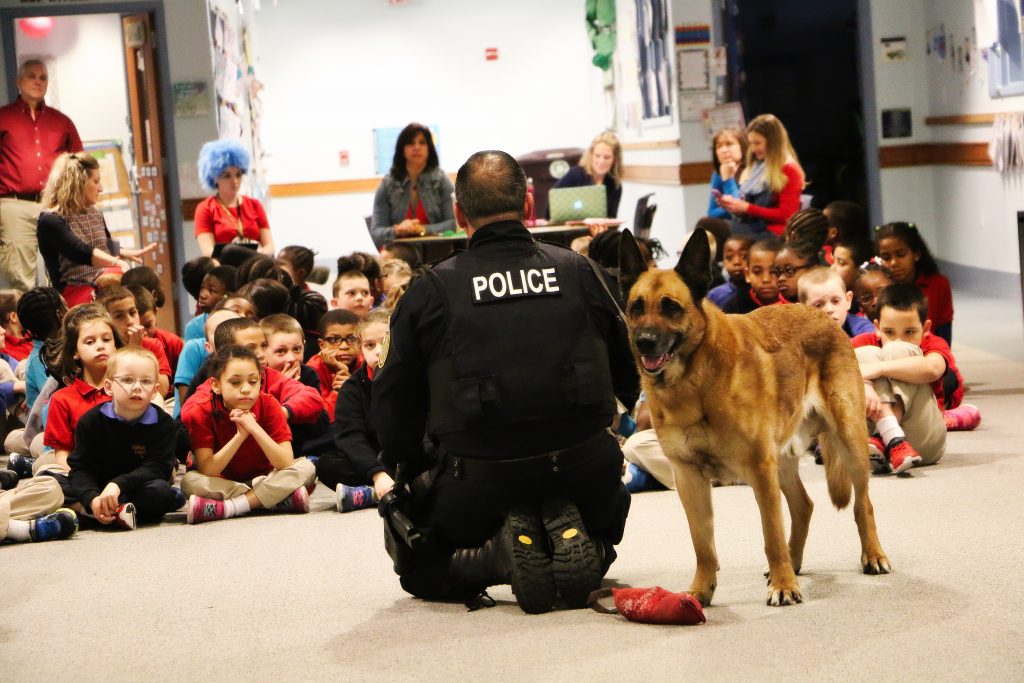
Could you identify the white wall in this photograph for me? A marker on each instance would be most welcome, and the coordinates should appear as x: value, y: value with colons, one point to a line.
x: 87, y: 74
x: 967, y: 215
x: 335, y: 71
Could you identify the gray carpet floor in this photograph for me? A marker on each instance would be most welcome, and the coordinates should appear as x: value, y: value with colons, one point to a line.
x: 313, y: 597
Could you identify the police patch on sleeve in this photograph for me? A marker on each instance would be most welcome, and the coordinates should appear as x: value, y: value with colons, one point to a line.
x: 385, y: 344
x: 512, y: 284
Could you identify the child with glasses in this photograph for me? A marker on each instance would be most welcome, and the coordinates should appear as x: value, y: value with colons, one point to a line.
x: 339, y: 353
x: 124, y: 454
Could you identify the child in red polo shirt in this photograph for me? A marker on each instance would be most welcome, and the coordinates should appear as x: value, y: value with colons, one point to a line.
x: 172, y: 344
x: 87, y: 341
x: 911, y: 372
x: 18, y: 344
x: 242, y: 445
x: 339, y: 353
x: 120, y: 304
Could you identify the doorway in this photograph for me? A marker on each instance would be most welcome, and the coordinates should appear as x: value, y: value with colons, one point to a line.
x: 799, y: 61
x: 106, y: 64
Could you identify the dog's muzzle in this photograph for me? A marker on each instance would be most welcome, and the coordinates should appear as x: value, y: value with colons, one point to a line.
x: 656, y: 348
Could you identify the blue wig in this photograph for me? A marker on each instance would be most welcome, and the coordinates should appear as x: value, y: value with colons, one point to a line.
x: 217, y: 156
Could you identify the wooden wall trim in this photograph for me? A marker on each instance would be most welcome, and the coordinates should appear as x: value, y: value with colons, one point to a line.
x: 319, y: 187
x: 934, y: 154
x: 960, y: 120
x: 654, y: 144
x: 697, y: 173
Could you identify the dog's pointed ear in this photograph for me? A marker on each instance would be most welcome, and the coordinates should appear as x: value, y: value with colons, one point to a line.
x: 631, y: 262
x: 695, y: 264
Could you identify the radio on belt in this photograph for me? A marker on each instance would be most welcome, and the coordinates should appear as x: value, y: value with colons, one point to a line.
x: 515, y: 283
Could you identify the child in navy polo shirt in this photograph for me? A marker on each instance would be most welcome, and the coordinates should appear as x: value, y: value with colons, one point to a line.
x: 124, y: 452
x: 242, y: 446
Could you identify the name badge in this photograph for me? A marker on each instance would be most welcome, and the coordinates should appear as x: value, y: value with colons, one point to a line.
x: 511, y: 284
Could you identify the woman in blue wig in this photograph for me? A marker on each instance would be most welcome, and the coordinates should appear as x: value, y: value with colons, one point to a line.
x: 228, y: 217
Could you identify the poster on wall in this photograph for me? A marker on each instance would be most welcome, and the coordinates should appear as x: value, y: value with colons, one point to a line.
x: 728, y: 115
x: 654, y: 67
x: 894, y: 49
x: 897, y: 123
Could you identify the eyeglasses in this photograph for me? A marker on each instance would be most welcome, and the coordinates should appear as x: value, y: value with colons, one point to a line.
x: 350, y: 340
x: 789, y: 271
x: 128, y: 382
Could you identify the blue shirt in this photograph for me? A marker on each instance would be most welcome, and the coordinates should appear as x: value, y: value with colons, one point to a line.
x: 191, y: 359
x: 35, y: 374
x: 728, y: 187
x: 857, y: 324
x: 194, y: 328
x: 722, y: 293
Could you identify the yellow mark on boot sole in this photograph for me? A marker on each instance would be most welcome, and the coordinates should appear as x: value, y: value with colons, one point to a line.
x: 569, y: 533
x: 525, y: 540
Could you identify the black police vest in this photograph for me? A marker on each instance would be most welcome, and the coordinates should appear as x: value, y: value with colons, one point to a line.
x: 520, y: 344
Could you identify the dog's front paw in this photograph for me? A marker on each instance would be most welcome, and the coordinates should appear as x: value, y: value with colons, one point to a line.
x: 876, y: 565
x: 784, y: 595
x: 703, y: 596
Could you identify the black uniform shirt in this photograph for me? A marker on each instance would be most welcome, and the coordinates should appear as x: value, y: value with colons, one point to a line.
x: 401, y: 393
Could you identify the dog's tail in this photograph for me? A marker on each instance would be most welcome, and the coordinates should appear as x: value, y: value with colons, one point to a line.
x: 839, y: 485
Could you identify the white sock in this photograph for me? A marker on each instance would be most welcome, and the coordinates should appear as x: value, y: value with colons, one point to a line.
x: 17, y: 530
x: 239, y: 505
x: 889, y: 429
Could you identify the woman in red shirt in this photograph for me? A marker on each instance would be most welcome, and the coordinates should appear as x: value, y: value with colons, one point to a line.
x: 228, y: 217
x: 771, y: 181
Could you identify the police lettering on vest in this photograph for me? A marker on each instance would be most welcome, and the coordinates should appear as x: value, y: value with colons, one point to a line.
x: 508, y: 284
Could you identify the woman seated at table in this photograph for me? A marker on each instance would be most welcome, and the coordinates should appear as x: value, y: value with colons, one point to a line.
x: 415, y: 197
x: 599, y: 165
x: 228, y: 217
x: 73, y: 236
x: 770, y: 183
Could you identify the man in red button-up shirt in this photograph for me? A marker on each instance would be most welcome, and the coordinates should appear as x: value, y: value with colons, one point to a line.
x: 32, y: 136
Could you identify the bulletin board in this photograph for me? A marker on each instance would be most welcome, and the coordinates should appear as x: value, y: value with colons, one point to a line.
x: 116, y: 200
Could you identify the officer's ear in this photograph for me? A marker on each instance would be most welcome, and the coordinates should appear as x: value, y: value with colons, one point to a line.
x: 631, y: 262
x: 460, y: 218
x: 528, y: 204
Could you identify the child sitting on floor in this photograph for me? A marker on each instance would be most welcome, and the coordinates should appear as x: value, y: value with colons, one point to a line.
x: 762, y: 283
x: 823, y: 288
x: 33, y: 512
x: 242, y: 446
x: 734, y: 260
x: 124, y: 453
x: 352, y: 293
x: 870, y: 282
x: 847, y: 257
x: 17, y: 343
x: 120, y: 304
x: 339, y: 353
x: 217, y: 284
x: 911, y: 372
x: 352, y: 468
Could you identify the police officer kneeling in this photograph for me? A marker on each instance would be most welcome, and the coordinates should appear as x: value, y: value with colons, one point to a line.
x: 509, y: 355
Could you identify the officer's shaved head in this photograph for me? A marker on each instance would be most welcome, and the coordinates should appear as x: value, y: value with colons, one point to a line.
x: 490, y: 183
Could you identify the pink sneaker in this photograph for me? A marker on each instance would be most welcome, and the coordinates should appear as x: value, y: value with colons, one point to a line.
x: 201, y: 510
x: 297, y: 502
x: 902, y: 455
x: 124, y: 518
x: 963, y: 418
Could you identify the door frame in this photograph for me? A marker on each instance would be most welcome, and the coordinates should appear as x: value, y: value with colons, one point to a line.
x: 155, y: 8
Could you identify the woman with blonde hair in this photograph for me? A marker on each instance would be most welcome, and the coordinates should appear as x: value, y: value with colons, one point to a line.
x: 601, y: 164
x: 771, y: 181
x: 72, y: 233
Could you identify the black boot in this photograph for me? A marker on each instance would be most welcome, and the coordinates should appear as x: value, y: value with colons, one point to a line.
x: 517, y: 555
x: 576, y: 558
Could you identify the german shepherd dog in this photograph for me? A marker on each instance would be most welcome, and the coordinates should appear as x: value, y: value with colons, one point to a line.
x: 742, y: 397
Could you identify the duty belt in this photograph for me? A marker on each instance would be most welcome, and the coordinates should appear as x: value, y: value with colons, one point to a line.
x: 23, y: 196
x: 461, y: 467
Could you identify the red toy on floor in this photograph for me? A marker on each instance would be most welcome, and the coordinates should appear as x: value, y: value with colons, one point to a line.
x: 651, y: 605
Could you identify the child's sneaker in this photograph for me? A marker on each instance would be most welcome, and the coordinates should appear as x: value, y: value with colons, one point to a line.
x: 963, y: 418
x: 21, y: 464
x: 8, y: 479
x: 57, y: 525
x: 203, y: 510
x: 124, y: 518
x: 355, y: 497
x: 179, y: 498
x: 877, y: 456
x: 298, y: 501
x: 902, y: 455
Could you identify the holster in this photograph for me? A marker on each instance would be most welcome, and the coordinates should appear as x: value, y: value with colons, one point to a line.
x: 403, y: 538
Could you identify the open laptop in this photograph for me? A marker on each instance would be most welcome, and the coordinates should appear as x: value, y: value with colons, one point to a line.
x: 577, y: 203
